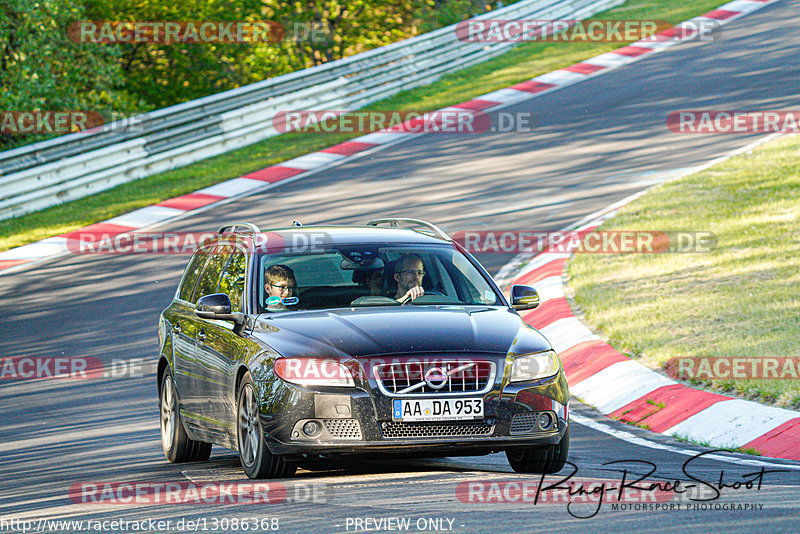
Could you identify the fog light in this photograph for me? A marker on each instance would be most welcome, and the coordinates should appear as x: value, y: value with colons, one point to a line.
x: 312, y: 428
x: 545, y: 421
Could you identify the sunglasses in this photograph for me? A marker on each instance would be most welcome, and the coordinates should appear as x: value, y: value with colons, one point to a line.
x: 283, y: 288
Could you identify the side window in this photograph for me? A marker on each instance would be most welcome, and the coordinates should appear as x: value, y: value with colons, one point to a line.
x: 232, y: 281
x: 209, y: 280
x: 192, y: 273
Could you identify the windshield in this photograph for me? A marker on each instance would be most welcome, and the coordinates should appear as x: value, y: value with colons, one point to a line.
x: 371, y: 275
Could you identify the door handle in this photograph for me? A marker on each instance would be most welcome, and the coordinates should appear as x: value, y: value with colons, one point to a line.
x: 201, y: 335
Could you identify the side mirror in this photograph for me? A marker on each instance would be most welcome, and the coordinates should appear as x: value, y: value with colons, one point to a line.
x: 217, y: 306
x: 524, y: 298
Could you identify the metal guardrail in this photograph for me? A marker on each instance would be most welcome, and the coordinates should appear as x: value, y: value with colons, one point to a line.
x: 72, y: 166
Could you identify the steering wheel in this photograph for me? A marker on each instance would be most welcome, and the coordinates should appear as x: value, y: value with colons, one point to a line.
x: 408, y: 299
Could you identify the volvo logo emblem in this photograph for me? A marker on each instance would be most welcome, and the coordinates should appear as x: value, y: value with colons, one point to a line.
x: 436, y: 377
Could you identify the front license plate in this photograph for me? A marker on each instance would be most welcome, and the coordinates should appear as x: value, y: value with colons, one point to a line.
x: 436, y: 409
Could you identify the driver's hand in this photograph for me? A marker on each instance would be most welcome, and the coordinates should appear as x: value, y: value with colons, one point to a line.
x: 413, y: 293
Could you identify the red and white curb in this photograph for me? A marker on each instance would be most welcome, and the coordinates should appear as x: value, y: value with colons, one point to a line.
x: 180, y: 207
x: 624, y: 389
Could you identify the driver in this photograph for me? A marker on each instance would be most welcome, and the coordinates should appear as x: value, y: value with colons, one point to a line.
x: 408, y: 273
x: 279, y: 282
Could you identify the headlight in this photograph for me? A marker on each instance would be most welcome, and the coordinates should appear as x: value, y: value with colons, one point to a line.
x: 533, y: 366
x: 313, y: 372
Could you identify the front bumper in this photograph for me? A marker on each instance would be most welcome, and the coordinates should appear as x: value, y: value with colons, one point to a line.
x: 359, y: 420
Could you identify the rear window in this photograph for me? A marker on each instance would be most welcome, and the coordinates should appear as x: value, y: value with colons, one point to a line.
x: 209, y: 280
x: 191, y: 274
x: 232, y: 280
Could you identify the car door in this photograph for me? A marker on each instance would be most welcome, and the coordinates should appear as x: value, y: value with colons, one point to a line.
x: 219, y: 348
x: 196, y: 369
x: 183, y: 329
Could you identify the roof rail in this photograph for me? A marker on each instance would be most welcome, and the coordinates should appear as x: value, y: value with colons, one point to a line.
x: 395, y: 223
x: 233, y: 226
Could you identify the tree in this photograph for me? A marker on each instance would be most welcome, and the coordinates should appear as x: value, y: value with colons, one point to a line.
x: 44, y: 69
x: 41, y: 69
x: 169, y: 73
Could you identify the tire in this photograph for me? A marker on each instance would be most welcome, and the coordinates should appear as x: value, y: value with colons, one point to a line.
x: 548, y: 459
x: 254, y: 455
x: 177, y: 445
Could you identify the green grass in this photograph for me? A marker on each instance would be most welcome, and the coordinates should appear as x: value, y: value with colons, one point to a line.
x: 685, y: 439
x: 741, y: 299
x: 521, y: 63
x: 639, y: 423
x: 742, y: 450
x: 748, y: 450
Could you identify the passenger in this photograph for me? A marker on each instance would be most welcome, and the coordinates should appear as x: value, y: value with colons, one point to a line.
x: 370, y: 279
x: 279, y: 282
x: 408, y: 272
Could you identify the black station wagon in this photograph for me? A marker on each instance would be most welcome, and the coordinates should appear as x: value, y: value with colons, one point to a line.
x: 381, y: 339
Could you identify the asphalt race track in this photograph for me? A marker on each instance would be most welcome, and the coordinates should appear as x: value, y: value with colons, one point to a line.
x: 595, y: 143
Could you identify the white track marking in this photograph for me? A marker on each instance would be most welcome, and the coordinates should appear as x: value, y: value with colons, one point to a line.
x: 732, y: 423
x: 566, y: 333
x: 236, y: 186
x: 619, y: 384
x: 145, y: 216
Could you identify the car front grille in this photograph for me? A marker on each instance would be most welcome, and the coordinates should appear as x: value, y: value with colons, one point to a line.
x: 343, y: 428
x: 398, y: 430
x: 435, y: 376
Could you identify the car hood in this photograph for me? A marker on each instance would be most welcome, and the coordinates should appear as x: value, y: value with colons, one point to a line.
x: 361, y: 332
